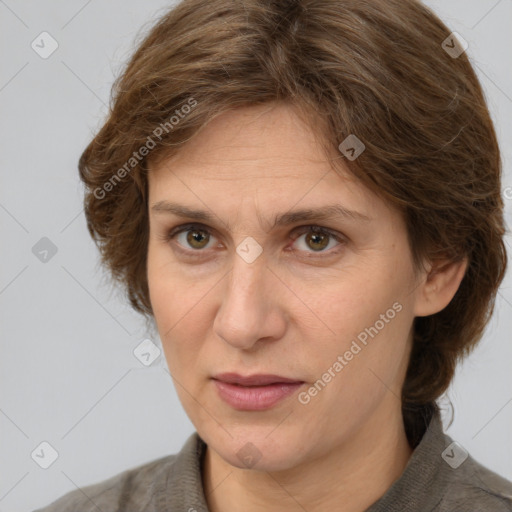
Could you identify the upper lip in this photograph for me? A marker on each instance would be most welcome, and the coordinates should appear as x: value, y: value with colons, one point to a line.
x: 253, y: 380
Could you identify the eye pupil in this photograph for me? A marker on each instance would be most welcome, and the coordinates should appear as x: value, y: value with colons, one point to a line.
x: 315, y: 238
x: 194, y: 236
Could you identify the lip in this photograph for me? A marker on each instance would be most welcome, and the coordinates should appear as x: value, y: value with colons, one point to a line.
x: 254, y: 392
x: 261, y: 379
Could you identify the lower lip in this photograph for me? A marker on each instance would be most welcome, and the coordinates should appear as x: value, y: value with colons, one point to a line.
x: 255, y: 398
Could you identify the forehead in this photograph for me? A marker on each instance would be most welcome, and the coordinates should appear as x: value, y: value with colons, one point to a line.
x: 263, y: 152
x: 247, y: 134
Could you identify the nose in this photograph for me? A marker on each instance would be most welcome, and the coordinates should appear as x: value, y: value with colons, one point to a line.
x: 250, y: 310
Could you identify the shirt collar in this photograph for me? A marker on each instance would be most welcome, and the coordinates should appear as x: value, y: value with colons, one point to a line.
x: 420, y: 486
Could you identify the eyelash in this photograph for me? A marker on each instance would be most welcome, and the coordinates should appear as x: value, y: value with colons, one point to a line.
x: 171, y: 234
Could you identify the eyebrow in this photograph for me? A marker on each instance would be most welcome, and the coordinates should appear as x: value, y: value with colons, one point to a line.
x: 283, y: 219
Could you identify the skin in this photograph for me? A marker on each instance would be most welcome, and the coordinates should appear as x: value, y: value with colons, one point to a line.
x: 291, y: 312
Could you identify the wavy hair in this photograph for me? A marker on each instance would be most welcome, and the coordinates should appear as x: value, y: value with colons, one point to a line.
x: 379, y: 69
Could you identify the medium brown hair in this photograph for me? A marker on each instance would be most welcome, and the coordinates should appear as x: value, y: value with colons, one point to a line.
x: 373, y: 68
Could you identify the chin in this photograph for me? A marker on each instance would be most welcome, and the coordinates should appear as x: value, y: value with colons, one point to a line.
x: 260, y: 458
x: 252, y: 447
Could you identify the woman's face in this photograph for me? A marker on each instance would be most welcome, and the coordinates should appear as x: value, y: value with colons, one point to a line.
x: 241, y: 293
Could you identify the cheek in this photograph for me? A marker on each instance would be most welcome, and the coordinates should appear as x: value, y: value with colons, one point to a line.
x: 350, y: 302
x: 167, y: 291
x: 180, y: 312
x: 369, y: 317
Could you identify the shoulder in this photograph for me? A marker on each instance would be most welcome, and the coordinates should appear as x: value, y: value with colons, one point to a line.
x: 134, y: 486
x: 472, y: 487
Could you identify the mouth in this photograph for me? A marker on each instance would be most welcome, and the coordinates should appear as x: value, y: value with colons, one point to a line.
x: 255, y: 392
x: 254, y: 380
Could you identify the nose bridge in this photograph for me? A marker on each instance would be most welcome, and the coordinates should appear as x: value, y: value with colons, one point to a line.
x: 248, y: 269
x: 248, y: 311
x: 242, y: 318
x: 246, y: 281
x: 246, y: 287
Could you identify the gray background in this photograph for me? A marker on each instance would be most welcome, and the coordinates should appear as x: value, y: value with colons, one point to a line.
x: 68, y: 373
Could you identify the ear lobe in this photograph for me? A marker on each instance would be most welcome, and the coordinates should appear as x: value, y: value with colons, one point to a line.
x: 440, y: 286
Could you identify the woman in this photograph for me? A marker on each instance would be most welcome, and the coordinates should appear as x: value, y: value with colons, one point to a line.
x: 304, y: 197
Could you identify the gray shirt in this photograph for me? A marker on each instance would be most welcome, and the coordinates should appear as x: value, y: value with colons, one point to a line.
x: 439, y: 477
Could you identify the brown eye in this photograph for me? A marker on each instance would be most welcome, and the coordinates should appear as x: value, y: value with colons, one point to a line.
x: 197, y: 238
x: 191, y: 238
x: 317, y: 239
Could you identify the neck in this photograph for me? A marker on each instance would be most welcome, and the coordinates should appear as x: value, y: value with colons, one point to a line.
x: 356, y: 473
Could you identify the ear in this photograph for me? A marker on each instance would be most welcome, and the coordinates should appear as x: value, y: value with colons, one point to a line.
x: 439, y: 287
